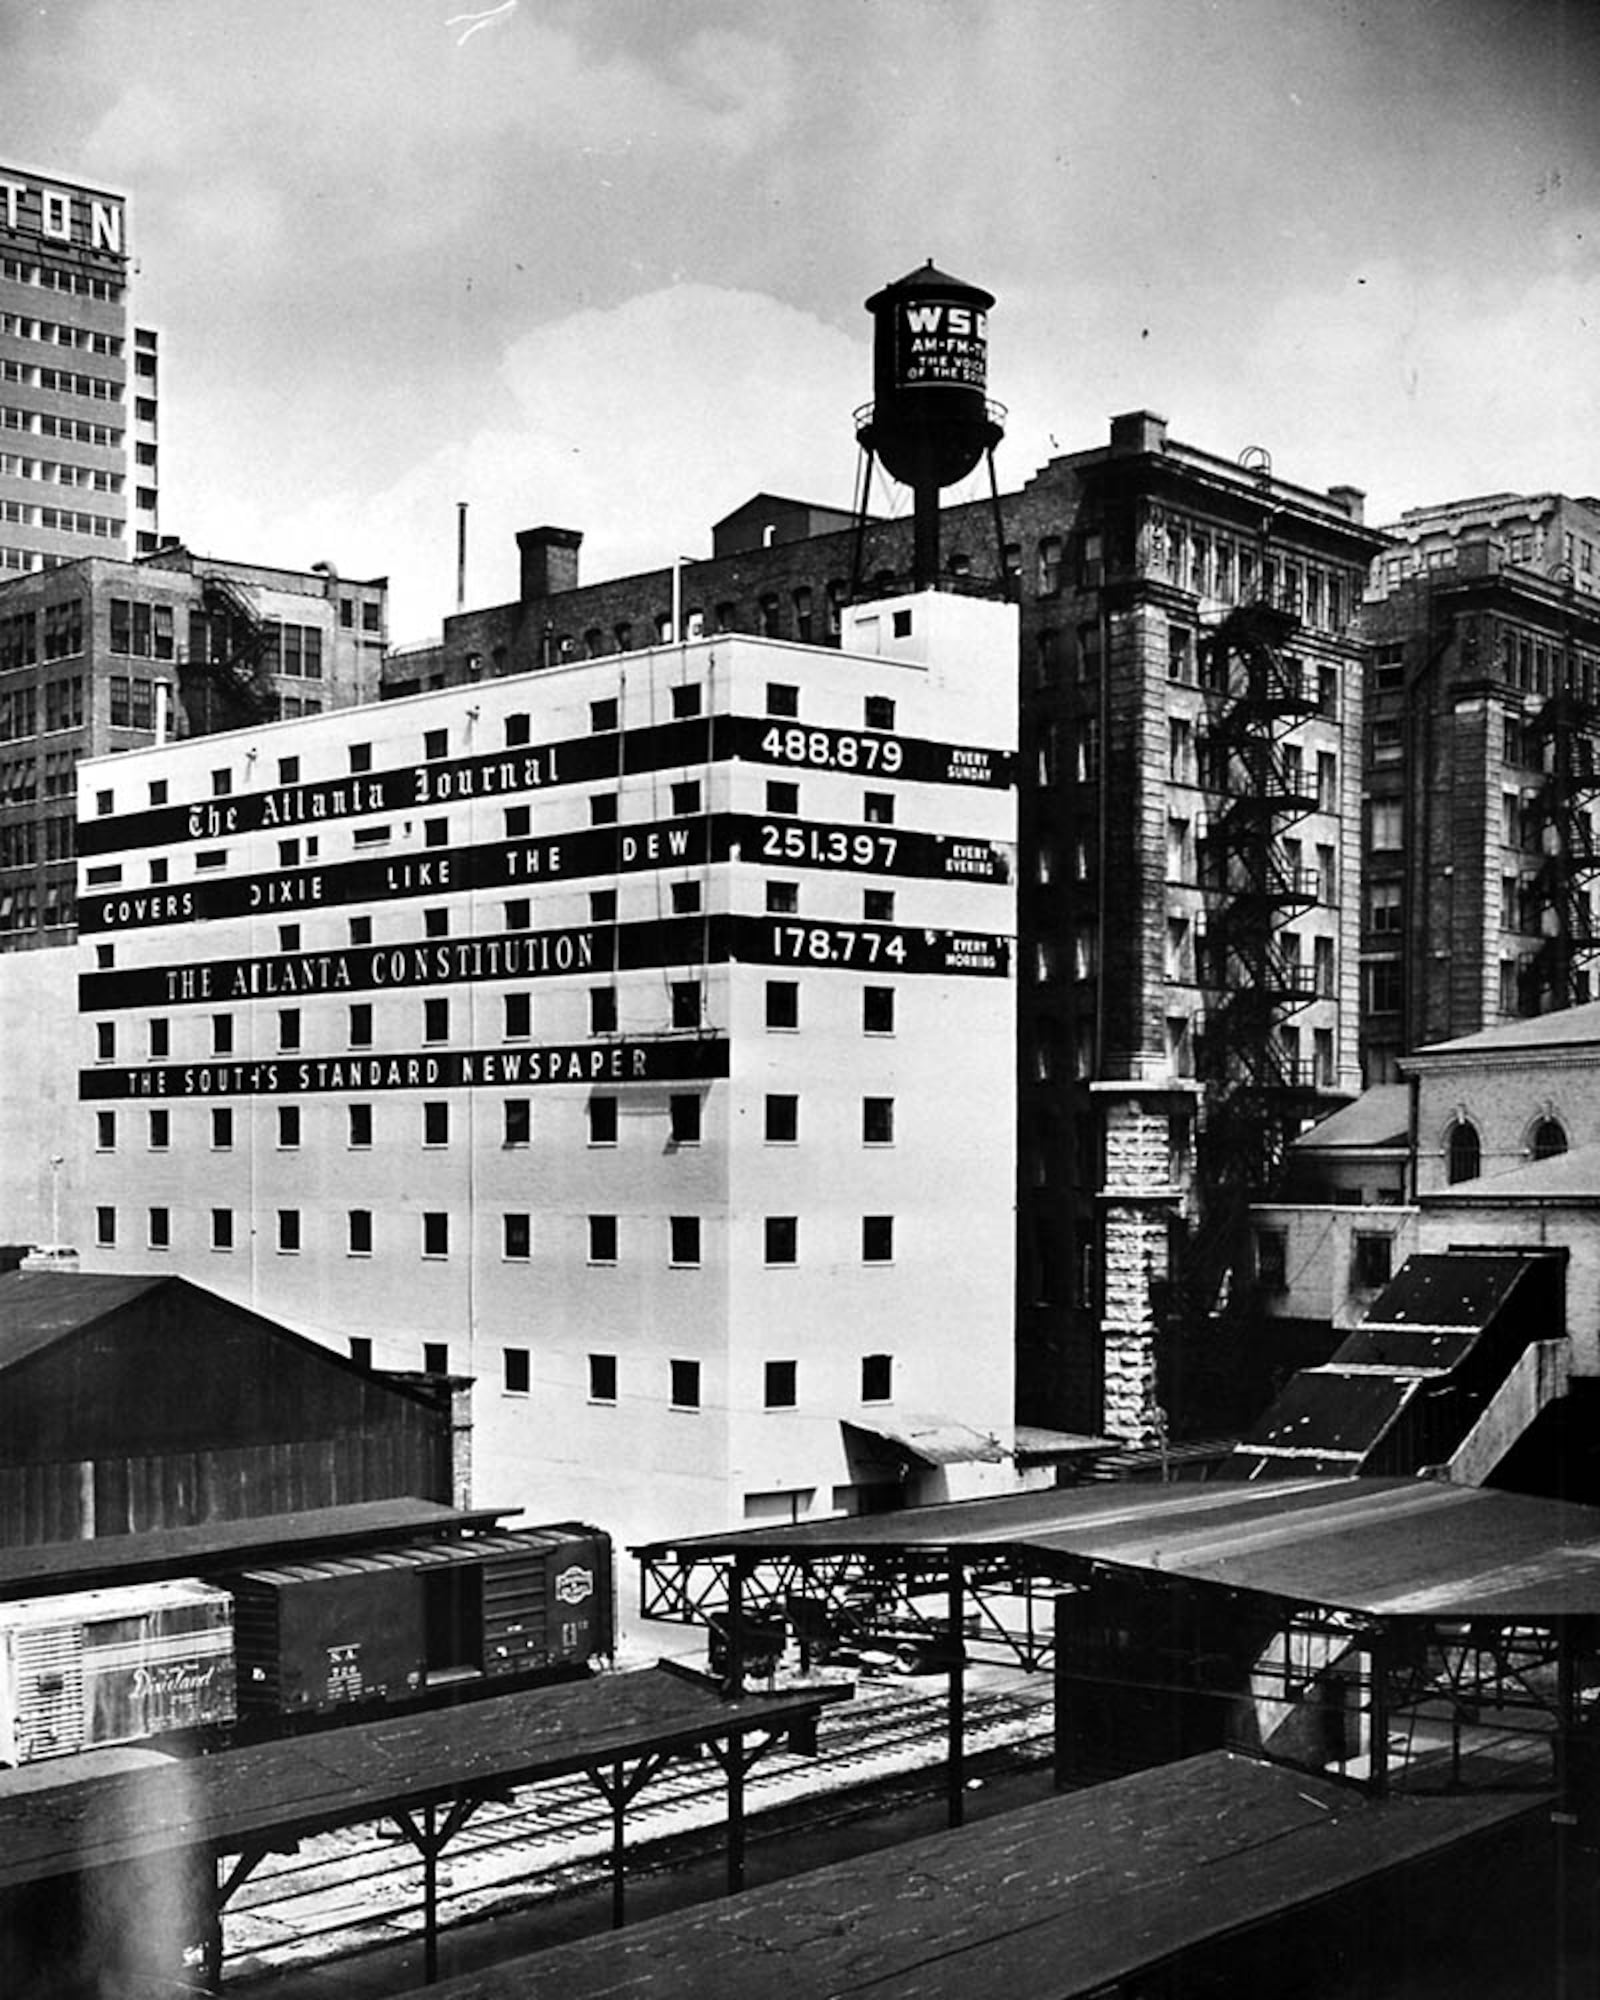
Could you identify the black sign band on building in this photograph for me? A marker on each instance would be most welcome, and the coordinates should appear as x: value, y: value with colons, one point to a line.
x: 683, y: 1059
x: 596, y: 949
x: 525, y: 864
x: 581, y: 760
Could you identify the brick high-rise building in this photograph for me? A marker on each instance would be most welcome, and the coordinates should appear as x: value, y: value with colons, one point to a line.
x: 1190, y: 701
x: 78, y: 403
x: 1483, y: 759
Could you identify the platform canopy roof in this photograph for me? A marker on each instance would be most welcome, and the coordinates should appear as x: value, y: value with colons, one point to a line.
x: 1385, y: 1547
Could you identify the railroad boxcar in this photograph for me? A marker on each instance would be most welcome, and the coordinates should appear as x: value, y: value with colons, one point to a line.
x: 96, y: 1667
x: 388, y: 1625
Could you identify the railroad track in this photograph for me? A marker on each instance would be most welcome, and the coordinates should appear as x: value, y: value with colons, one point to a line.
x: 359, y: 1887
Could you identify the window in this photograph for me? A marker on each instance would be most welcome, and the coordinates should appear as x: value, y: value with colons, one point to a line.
x: 105, y: 1041
x: 684, y: 1112
x: 782, y: 1127
x: 602, y: 1121
x: 518, y: 822
x: 436, y: 1124
x: 877, y: 1121
x: 783, y: 898
x: 288, y: 1127
x: 686, y: 701
x: 519, y: 729
x: 435, y: 1020
x: 160, y: 1130
x: 160, y: 1040
x: 518, y: 914
x: 1327, y: 781
x: 603, y: 715
x: 1384, y: 986
x: 782, y: 698
x: 783, y: 1003
x: 603, y: 1010
x: 517, y: 1121
x: 517, y: 1011
x: 602, y: 1239
x: 288, y: 1027
x: 780, y: 1385
x: 877, y: 808
x: 782, y: 796
x: 288, y: 1230
x: 685, y: 899
x: 435, y: 1357
x: 435, y: 744
x: 686, y: 796
x: 877, y: 1378
x: 361, y: 930
x: 1372, y: 1259
x: 877, y: 1010
x: 436, y: 832
x: 1549, y: 1139
x: 435, y: 1233
x: 782, y: 1239
x: 1463, y: 1153
x: 877, y: 1239
x: 685, y: 1239
x: 602, y: 906
x: 222, y: 1229
x: 518, y: 1366
x: 686, y: 1003
x: 516, y: 1238
x: 105, y: 1131
x: 358, y: 1232
x: 1385, y: 830
x: 1049, y: 565
x: 602, y: 1378
x: 359, y: 1127
x: 878, y: 712
x: 1272, y: 1259
x: 602, y: 808
x: 160, y: 1234
x: 685, y: 1384
x: 877, y: 906
x: 436, y: 923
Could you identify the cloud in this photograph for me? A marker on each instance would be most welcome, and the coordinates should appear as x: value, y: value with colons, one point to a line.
x: 640, y: 425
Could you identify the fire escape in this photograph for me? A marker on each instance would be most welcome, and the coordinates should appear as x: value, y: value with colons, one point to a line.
x: 1567, y: 729
x: 1255, y: 1093
x: 224, y: 682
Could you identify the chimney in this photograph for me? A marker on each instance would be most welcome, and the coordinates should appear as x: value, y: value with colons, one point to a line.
x: 1351, y: 499
x: 1138, y: 430
x: 549, y: 561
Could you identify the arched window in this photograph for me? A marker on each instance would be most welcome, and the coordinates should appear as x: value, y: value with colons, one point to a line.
x: 1465, y: 1154
x: 1549, y: 1139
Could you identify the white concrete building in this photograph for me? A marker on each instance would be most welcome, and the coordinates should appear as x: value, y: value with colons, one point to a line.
x: 635, y: 1036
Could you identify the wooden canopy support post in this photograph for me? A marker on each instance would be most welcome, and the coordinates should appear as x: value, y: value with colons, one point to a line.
x: 956, y: 1760
x: 246, y: 1864
x: 619, y: 1787
x: 430, y: 1840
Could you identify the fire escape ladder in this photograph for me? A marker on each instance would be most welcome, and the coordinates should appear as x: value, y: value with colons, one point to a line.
x: 1567, y: 731
x: 236, y: 642
x: 1255, y: 1090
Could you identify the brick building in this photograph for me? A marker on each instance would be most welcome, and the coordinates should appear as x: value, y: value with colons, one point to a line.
x: 1190, y: 702
x: 99, y: 655
x: 1482, y: 856
x: 78, y: 382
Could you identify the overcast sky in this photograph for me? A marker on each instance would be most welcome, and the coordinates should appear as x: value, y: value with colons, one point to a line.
x: 601, y: 262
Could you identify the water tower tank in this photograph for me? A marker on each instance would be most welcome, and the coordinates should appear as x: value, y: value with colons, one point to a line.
x: 930, y: 420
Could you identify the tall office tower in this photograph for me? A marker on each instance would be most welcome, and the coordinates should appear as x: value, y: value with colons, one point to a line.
x: 1483, y: 859
x: 634, y: 1037
x: 99, y: 655
x: 78, y: 383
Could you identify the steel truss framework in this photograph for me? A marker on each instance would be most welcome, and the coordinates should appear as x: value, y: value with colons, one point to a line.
x: 1386, y: 1701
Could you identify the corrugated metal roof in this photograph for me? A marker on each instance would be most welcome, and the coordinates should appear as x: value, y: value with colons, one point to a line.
x: 1378, y: 1545
x: 1331, y: 1412
x: 38, y: 1308
x: 934, y: 1440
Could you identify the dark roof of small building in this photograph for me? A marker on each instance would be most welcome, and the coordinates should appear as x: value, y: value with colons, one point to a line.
x: 1378, y: 1117
x: 38, y: 1308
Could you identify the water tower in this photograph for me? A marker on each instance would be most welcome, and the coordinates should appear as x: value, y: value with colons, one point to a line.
x: 930, y: 421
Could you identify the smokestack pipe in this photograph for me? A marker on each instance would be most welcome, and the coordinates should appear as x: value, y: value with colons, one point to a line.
x: 461, y: 555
